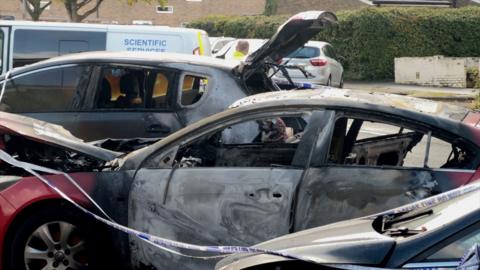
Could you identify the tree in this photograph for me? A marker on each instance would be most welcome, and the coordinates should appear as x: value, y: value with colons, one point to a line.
x: 35, y: 8
x: 270, y: 7
x: 75, y: 7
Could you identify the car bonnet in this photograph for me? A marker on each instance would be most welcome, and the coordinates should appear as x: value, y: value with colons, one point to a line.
x: 291, y: 35
x: 51, y: 134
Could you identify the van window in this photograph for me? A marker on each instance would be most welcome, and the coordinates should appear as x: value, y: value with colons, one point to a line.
x: 53, y: 90
x: 193, y: 88
x: 31, y: 46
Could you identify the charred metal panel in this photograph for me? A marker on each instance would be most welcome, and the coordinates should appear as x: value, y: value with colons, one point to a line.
x: 222, y: 91
x: 217, y: 206
x: 111, y: 193
x: 337, y: 193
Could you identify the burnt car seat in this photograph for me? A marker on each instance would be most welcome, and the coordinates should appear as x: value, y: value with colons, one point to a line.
x: 105, y: 95
x: 131, y: 95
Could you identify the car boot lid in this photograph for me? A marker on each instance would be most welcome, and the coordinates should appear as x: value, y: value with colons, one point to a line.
x: 290, y: 36
x: 51, y: 134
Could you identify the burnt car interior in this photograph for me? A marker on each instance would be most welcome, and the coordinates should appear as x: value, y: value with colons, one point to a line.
x: 45, y: 155
x: 126, y: 88
x: 261, y: 143
x: 136, y: 87
x: 358, y: 141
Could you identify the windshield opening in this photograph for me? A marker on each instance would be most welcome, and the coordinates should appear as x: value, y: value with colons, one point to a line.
x: 305, y: 52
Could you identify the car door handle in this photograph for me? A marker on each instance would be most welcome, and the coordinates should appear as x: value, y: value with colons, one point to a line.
x: 158, y: 129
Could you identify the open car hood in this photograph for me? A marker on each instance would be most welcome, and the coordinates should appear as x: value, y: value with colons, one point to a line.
x: 36, y: 130
x: 290, y: 36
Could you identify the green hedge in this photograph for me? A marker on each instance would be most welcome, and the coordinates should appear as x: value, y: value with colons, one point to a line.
x: 369, y: 39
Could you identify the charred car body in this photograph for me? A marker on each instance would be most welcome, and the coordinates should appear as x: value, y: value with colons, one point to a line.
x: 131, y: 95
x: 273, y: 164
x: 433, y: 235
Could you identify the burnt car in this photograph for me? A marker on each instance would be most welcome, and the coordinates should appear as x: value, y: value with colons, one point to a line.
x: 272, y: 164
x: 434, y: 234
x: 130, y: 95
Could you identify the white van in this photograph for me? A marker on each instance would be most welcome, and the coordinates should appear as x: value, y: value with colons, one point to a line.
x: 24, y: 42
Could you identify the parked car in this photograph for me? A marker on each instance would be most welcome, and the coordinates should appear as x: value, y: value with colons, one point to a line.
x: 228, y: 50
x: 273, y: 164
x: 317, y: 63
x: 217, y: 43
x: 428, y: 237
x: 129, y: 95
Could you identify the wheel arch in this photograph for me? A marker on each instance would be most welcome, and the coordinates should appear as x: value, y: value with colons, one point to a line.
x: 22, y: 215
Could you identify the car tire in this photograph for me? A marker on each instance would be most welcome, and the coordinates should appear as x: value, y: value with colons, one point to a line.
x: 329, y: 82
x: 341, y: 82
x: 59, y: 236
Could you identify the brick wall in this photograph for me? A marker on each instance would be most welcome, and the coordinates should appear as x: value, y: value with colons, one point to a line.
x: 294, y: 6
x: 119, y: 11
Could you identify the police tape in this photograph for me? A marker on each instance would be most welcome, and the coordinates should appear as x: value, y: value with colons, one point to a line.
x: 167, y: 244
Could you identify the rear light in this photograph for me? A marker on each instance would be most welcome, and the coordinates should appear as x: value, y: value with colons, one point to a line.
x: 318, y: 62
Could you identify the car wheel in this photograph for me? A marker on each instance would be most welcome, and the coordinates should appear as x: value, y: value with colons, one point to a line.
x: 329, y: 82
x: 52, y: 238
x: 341, y: 82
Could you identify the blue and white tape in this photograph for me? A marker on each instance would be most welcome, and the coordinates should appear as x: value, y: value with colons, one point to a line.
x: 167, y: 244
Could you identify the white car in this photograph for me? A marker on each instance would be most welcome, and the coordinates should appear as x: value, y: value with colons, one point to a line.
x: 217, y: 43
x: 229, y: 49
x: 315, y: 63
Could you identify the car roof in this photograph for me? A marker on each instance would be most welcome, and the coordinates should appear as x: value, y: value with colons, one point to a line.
x: 128, y: 57
x: 360, y: 99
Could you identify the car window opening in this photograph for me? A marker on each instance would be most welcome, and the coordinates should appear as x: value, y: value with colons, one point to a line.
x: 193, y: 88
x: 261, y: 143
x: 51, y: 90
x: 363, y: 142
x: 128, y: 88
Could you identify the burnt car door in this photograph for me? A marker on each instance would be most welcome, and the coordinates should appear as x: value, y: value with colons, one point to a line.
x: 129, y: 101
x: 230, y: 185
x: 377, y: 162
x: 53, y: 94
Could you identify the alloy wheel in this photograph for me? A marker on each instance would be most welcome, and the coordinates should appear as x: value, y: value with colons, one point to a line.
x: 56, y: 246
